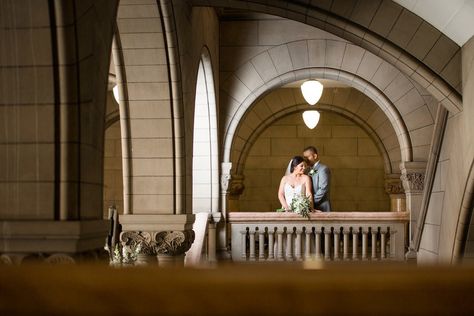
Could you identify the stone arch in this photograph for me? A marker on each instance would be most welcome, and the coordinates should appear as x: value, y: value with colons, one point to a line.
x: 349, y: 79
x: 205, y: 145
x: 380, y: 28
x: 240, y: 160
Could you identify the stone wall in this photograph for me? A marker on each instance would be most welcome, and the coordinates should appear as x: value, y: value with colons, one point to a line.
x: 356, y: 165
x: 451, y: 184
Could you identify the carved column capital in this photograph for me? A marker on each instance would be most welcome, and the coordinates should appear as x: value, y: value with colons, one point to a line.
x: 225, y: 176
x: 135, y: 244
x: 173, y: 243
x: 393, y: 185
x: 139, y: 242
x: 413, y: 176
x: 413, y: 182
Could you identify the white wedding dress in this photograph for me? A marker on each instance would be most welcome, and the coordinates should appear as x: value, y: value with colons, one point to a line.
x: 291, y: 192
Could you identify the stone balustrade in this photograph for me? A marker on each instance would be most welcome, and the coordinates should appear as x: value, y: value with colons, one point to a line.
x: 272, y: 236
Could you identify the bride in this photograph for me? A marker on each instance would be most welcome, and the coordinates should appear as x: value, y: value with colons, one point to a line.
x: 295, y: 183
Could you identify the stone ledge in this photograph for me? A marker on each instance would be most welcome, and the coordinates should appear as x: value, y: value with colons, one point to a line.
x: 52, y: 236
x: 156, y: 223
x: 248, y: 217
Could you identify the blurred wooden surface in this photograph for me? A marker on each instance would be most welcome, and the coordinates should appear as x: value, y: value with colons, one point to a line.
x: 237, y: 290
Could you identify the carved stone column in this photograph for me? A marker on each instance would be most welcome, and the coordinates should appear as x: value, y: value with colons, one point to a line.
x: 141, y: 248
x: 413, y: 177
x: 394, y: 188
x: 145, y: 238
x: 170, y: 247
x: 221, y: 227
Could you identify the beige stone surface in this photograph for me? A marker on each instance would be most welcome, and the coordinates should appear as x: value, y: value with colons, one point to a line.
x: 357, y: 178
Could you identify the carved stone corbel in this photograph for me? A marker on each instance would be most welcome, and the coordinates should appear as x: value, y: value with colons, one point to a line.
x: 236, y: 187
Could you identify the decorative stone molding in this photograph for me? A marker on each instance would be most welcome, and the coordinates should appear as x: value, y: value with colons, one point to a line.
x: 134, y: 239
x: 236, y: 185
x: 173, y: 243
x: 225, y: 176
x: 413, y: 181
x: 225, y: 180
x: 394, y: 186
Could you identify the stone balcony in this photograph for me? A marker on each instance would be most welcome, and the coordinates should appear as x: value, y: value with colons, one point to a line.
x: 272, y: 236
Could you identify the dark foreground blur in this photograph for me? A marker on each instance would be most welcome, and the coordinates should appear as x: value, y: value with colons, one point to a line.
x: 237, y: 290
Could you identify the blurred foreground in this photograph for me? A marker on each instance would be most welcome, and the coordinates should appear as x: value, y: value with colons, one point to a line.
x: 311, y: 289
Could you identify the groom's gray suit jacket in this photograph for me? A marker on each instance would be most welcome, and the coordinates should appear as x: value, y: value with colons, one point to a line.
x: 321, y: 179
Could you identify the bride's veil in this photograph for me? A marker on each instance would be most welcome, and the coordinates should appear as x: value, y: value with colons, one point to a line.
x: 287, y: 172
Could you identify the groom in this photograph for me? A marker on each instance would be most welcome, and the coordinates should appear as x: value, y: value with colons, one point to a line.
x: 320, y: 175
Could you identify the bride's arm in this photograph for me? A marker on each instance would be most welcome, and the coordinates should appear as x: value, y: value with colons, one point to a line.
x: 281, y: 194
x: 309, y: 191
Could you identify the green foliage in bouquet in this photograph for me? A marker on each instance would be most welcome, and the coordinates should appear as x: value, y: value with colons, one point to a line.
x: 301, y: 205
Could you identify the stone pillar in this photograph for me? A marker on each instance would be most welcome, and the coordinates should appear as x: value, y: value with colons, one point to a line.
x: 221, y: 228
x: 413, y: 177
x: 231, y: 188
x: 394, y: 188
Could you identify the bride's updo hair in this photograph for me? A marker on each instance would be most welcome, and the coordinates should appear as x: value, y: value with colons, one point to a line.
x: 295, y: 161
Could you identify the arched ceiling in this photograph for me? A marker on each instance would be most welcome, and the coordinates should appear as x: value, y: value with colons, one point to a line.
x: 384, y: 28
x: 454, y: 18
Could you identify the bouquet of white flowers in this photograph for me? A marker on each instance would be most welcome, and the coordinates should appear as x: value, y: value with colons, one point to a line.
x: 300, y: 204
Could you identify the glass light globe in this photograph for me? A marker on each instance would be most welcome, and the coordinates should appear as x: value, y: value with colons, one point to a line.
x: 311, y: 118
x: 312, y: 91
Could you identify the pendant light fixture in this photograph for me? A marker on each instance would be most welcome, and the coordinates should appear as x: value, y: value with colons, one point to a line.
x: 312, y: 91
x: 311, y: 118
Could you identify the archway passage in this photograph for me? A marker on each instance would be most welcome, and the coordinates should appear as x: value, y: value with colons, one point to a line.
x: 356, y: 163
x: 205, y: 149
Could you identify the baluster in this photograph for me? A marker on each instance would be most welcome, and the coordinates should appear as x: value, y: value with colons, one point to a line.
x: 346, y: 243
x: 355, y: 241
x: 307, y: 244
x: 327, y: 245
x: 252, y: 245
x: 280, y: 244
x: 317, y: 244
x: 336, y: 244
x: 298, y: 245
x: 374, y: 244
x: 271, y: 255
x: 383, y: 244
x: 261, y: 241
x: 364, y: 244
x: 244, y: 244
x: 289, y: 242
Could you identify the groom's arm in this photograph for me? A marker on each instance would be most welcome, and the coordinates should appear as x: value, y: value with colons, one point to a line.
x: 324, y: 178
